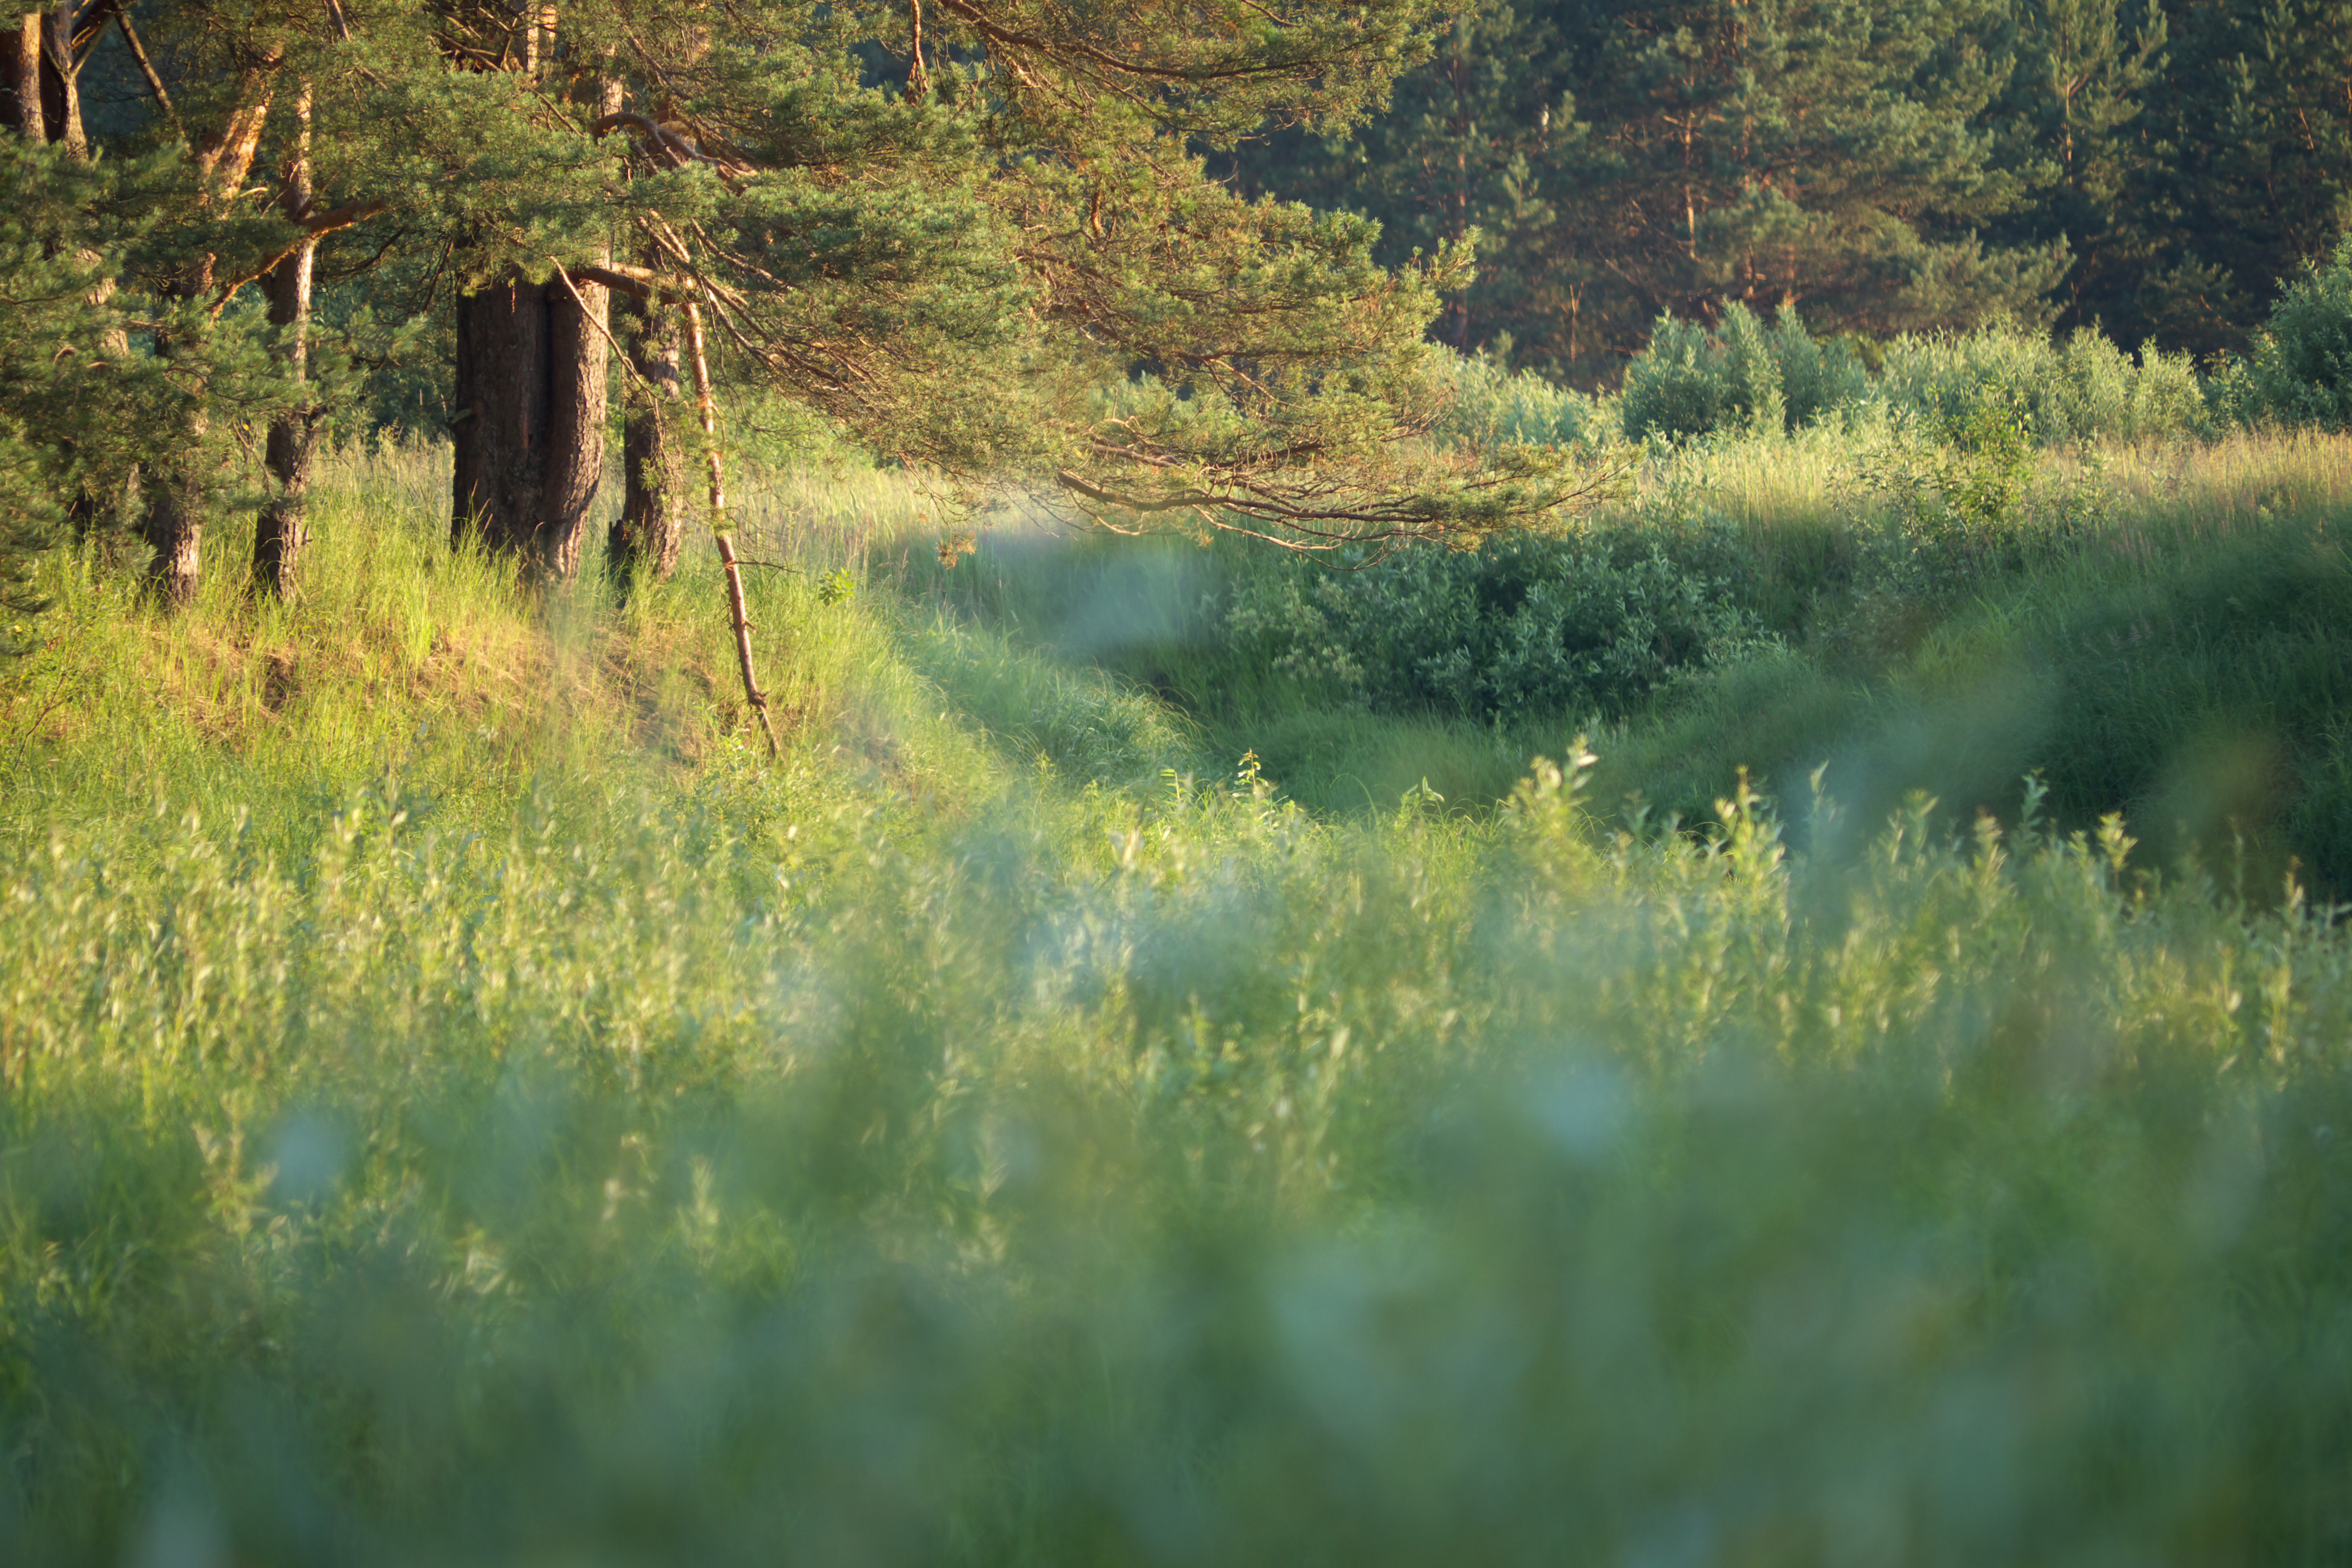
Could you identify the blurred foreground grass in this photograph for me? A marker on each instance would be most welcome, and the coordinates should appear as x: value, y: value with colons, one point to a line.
x: 461, y: 1106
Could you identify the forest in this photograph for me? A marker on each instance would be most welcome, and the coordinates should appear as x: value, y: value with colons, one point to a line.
x: 1175, y: 781
x: 2154, y: 171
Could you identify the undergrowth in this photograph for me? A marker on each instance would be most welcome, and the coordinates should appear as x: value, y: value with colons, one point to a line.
x: 2156, y: 630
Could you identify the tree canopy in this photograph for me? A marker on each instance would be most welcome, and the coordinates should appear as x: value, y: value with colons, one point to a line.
x: 976, y: 235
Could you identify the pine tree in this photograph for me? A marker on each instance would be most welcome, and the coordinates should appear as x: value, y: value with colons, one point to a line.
x: 970, y: 233
x: 1673, y: 156
x: 954, y: 265
x: 2086, y: 68
x: 84, y: 404
x: 1832, y: 156
x: 2252, y: 129
x: 1481, y: 140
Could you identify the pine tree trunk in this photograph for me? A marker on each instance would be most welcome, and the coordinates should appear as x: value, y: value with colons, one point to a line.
x: 529, y: 430
x: 643, y: 545
x: 60, y: 80
x: 175, y: 525
x: 40, y: 75
x: 282, y: 528
x: 20, y: 78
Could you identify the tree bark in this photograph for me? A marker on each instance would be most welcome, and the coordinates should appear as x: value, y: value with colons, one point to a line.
x: 176, y: 494
x: 531, y: 393
x: 530, y: 429
x: 643, y: 545
x: 20, y: 77
x: 61, y: 78
x: 282, y: 528
x: 41, y: 57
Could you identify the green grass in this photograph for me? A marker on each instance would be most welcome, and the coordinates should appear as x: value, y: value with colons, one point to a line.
x: 461, y: 1104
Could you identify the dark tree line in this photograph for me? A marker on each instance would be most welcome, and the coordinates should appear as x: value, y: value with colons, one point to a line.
x: 2153, y: 167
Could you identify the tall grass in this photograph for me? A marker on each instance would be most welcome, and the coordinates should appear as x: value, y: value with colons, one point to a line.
x: 1007, y: 1131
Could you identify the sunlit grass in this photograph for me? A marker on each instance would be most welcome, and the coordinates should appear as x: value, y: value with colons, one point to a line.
x: 465, y: 1105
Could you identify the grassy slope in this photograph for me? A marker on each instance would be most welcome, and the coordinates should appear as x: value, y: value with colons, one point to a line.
x: 462, y: 1106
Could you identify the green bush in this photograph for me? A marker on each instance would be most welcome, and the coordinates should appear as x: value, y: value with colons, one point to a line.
x: 2085, y: 389
x: 1495, y: 406
x: 1692, y: 382
x: 1962, y: 504
x: 2302, y: 370
x: 1582, y: 623
x: 2105, y: 396
x: 1745, y: 376
x: 1817, y: 376
x: 1742, y: 376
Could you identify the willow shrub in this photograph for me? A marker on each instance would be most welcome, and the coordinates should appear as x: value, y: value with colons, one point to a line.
x: 1581, y: 622
x: 2301, y: 372
x: 1743, y: 377
x: 1492, y: 405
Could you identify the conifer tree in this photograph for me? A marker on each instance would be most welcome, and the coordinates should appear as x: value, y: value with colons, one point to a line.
x: 118, y: 354
x: 2074, y: 108
x: 1481, y: 139
x: 1005, y: 259
x: 2251, y: 128
x: 86, y: 248
x: 1671, y: 155
x: 1794, y: 151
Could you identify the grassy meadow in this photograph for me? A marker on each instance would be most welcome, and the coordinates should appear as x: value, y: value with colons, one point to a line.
x: 1180, y: 1062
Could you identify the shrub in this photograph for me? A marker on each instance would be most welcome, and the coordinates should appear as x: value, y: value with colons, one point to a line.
x: 2103, y: 395
x: 1692, y: 382
x: 2302, y: 370
x: 2085, y: 389
x: 1495, y: 406
x: 1817, y: 376
x: 1578, y: 624
x: 1959, y: 491
x: 1743, y: 375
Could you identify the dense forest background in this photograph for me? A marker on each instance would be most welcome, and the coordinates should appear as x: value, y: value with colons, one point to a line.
x: 2155, y: 170
x: 2158, y: 170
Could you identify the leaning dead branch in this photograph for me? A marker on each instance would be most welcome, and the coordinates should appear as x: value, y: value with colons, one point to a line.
x: 700, y: 357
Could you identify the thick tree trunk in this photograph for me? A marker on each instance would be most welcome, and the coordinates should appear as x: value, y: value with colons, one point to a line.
x: 579, y: 316
x: 499, y: 431
x: 20, y: 77
x: 530, y: 424
x: 643, y: 545
x: 530, y: 428
x: 41, y: 55
x: 282, y: 528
